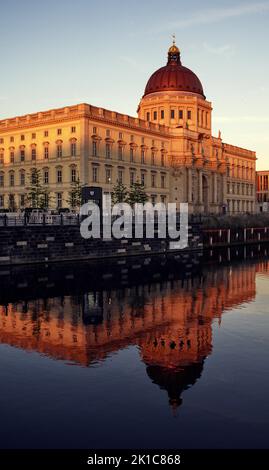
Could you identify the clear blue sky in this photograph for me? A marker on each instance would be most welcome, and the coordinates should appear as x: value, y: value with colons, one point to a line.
x: 60, y: 52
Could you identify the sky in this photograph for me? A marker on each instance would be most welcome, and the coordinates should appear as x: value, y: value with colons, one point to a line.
x: 55, y: 53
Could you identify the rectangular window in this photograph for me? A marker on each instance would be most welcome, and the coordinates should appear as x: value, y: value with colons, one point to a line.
x: 120, y: 152
x: 1, y: 140
x: 22, y: 178
x: 155, y: 115
x: 108, y: 133
x: 120, y: 135
x: 11, y: 179
x: 162, y: 114
x: 142, y: 156
x: 59, y: 150
x: 131, y: 154
x: 143, y: 178
x: 2, y: 201
x: 189, y: 114
x: 22, y: 155
x: 162, y: 181
x: 59, y: 131
x: 12, y: 156
x: 2, y: 179
x: 34, y: 154
x: 12, y: 139
x: 95, y: 174
x: 59, y: 200
x: 22, y: 137
x: 59, y: 176
x: 153, y: 180
x: 1, y: 158
x: 94, y: 130
x: 73, y: 175
x: 94, y: 148
x: 148, y: 116
x: 120, y: 176
x: 162, y: 159
x: 153, y: 158
x: 73, y: 129
x: 33, y: 135
x: 172, y: 114
x: 46, y: 177
x: 22, y: 200
x: 46, y: 153
x: 73, y: 149
x: 46, y: 133
x: 108, y: 151
x: 180, y: 114
x: 132, y: 177
x: 108, y: 176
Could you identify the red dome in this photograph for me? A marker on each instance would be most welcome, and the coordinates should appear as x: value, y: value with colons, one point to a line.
x: 174, y: 77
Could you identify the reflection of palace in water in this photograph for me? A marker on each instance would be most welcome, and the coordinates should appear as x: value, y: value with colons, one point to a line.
x: 170, y: 322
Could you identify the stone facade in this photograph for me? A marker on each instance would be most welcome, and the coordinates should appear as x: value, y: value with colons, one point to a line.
x: 169, y: 147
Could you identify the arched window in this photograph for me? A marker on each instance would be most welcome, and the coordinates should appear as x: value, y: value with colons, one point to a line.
x: 59, y: 175
x: 11, y: 155
x: 11, y: 178
x: 33, y: 152
x: 22, y: 177
x: 46, y: 150
x: 45, y: 175
x: 2, y: 179
x: 73, y: 173
x: 73, y: 147
x: 59, y: 148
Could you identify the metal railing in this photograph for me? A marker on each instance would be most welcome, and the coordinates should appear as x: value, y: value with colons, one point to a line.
x: 40, y: 219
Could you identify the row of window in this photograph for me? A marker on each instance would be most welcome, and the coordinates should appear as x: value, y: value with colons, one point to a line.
x: 45, y: 173
x: 237, y: 188
x: 173, y: 114
x: 120, y: 177
x: 46, y: 134
x: 240, y: 206
x: 59, y: 200
x: 262, y: 183
x: 46, y: 152
x: 240, y: 171
x: 132, y: 153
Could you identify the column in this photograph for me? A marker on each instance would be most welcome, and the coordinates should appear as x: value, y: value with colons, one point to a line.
x: 200, y: 186
x: 84, y: 151
x: 215, y: 199
x: 189, y: 185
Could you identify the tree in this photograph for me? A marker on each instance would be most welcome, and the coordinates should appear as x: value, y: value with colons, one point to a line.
x: 119, y: 193
x: 37, y: 195
x: 75, y: 195
x: 137, y: 194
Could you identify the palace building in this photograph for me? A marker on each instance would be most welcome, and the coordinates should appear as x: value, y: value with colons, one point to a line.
x: 169, y: 147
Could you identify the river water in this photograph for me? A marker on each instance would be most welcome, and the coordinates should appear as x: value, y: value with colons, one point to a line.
x: 173, y: 362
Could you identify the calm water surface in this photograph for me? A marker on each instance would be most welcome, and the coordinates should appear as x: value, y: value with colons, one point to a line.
x: 173, y: 363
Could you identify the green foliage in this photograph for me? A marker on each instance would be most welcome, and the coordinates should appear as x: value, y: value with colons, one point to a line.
x: 37, y: 196
x: 75, y: 195
x: 137, y: 194
x: 119, y: 193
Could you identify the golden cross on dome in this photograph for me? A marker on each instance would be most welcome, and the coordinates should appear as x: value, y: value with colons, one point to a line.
x: 174, y: 38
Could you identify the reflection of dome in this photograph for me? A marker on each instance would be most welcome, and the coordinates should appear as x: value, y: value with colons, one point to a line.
x: 175, y: 381
x: 174, y: 77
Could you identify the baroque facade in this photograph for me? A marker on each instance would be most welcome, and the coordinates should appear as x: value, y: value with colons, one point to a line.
x: 169, y: 147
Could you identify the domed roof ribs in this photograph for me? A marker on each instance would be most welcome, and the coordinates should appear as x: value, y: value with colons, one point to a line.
x: 174, y: 76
